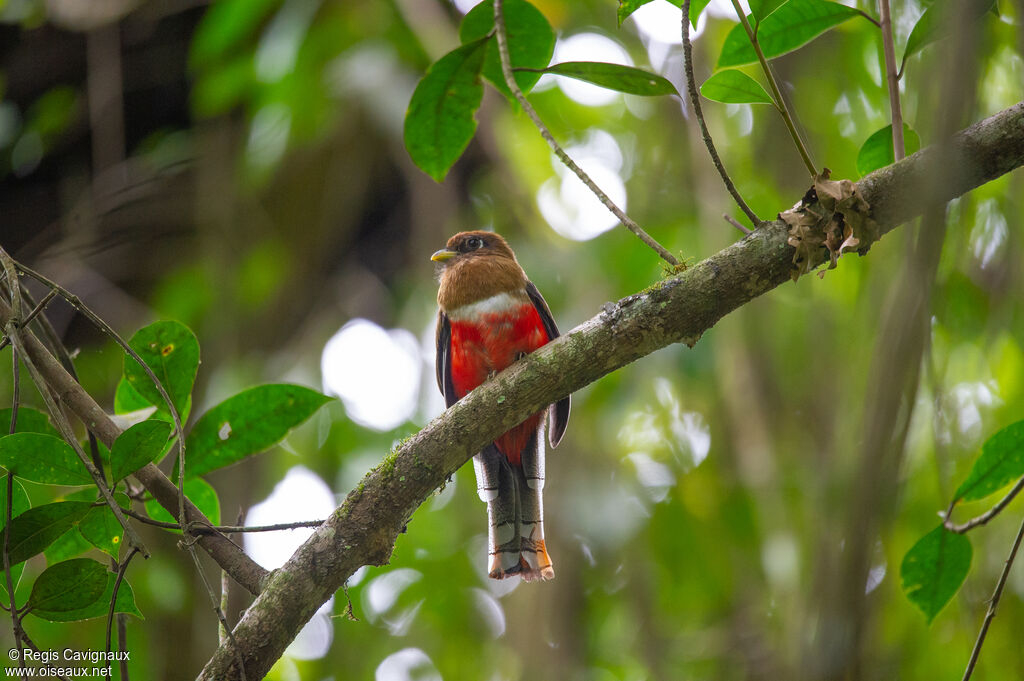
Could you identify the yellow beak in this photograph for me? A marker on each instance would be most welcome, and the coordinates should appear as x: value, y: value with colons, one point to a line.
x: 443, y: 254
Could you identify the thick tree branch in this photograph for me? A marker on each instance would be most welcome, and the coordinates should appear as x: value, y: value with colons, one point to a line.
x: 363, y: 530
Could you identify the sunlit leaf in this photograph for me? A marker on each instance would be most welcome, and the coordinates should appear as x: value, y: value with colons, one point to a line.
x: 441, y: 118
x: 171, y: 351
x: 1001, y: 461
x: 42, y: 458
x: 38, y: 527
x: 734, y: 87
x: 531, y: 42
x: 934, y: 568
x: 101, y: 528
x: 200, y: 493
x: 626, y: 79
x: 68, y: 586
x: 248, y: 423
x: 791, y: 26
x: 762, y: 8
x: 877, y: 151
x: 942, y: 19
x: 138, y: 446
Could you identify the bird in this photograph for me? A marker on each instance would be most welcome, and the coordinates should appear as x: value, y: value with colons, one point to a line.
x: 489, y: 316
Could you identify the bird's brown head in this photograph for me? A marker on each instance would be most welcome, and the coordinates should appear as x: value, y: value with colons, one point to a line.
x: 476, y: 265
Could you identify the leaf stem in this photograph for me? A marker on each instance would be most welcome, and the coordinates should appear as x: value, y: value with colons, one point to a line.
x: 501, y: 32
x: 984, y: 517
x: 780, y: 103
x: 691, y: 88
x: 892, y: 78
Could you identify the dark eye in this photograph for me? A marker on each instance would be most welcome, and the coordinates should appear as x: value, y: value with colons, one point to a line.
x: 473, y: 243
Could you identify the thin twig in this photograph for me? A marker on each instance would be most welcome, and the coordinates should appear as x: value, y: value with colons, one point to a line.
x: 892, y: 78
x: 216, y: 608
x: 691, y: 88
x: 732, y: 221
x: 510, y: 81
x: 122, y: 643
x: 202, y: 528
x: 65, y: 429
x: 113, y: 597
x: 76, y: 303
x: 780, y: 103
x: 984, y: 517
x: 5, y: 341
x: 8, y: 512
x: 34, y: 648
x: 993, y: 602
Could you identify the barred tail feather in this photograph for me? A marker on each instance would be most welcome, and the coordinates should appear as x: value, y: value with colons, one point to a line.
x: 515, y: 512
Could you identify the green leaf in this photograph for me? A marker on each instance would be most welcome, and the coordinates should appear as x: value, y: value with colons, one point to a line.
x: 225, y: 25
x: 791, y: 26
x: 877, y: 151
x: 200, y: 493
x: 138, y: 446
x: 942, y: 19
x: 531, y: 42
x: 125, y: 603
x: 615, y: 77
x: 762, y: 8
x: 734, y: 87
x: 171, y: 350
x: 627, y: 7
x: 68, y: 586
x: 38, y: 527
x: 934, y: 568
x: 441, y: 120
x: 68, y: 545
x: 696, y: 8
x: 19, y: 505
x: 101, y: 529
x: 127, y: 399
x: 246, y: 424
x: 42, y: 458
x: 29, y: 421
x: 1001, y: 461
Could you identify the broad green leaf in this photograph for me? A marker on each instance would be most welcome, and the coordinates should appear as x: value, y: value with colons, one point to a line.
x: 226, y: 24
x: 441, y: 119
x: 734, y: 87
x: 942, y: 19
x: 171, y: 350
x: 42, y: 458
x: 696, y: 8
x: 615, y: 77
x: 137, y: 446
x: 18, y: 506
x: 29, y: 421
x: 791, y: 26
x: 1001, y: 461
x: 101, y: 529
x: 125, y: 603
x: 762, y: 8
x: 38, y: 527
x: 68, y: 586
x: 877, y: 151
x: 934, y: 568
x: 127, y: 399
x: 627, y: 7
x: 200, y: 493
x: 68, y: 545
x: 246, y: 424
x: 531, y: 42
